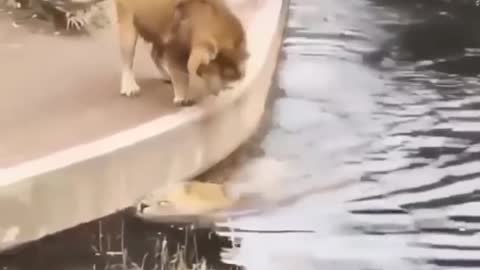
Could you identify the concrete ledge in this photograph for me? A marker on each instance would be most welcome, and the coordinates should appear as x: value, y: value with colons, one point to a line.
x: 88, y: 180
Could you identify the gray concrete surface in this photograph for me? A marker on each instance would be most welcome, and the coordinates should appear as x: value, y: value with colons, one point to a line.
x: 91, y: 152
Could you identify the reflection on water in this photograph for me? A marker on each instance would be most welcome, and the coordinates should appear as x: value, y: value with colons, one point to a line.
x: 404, y: 131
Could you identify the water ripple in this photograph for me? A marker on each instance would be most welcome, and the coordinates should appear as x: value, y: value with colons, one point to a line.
x: 405, y: 136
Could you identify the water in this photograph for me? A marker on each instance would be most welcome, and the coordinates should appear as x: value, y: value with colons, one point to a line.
x: 403, y: 132
x: 368, y: 166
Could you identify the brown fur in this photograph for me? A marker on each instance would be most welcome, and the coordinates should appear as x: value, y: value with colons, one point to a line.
x: 202, y: 37
x: 215, y: 39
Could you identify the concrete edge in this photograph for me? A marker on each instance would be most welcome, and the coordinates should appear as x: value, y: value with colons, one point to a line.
x: 204, y: 210
x: 89, y: 181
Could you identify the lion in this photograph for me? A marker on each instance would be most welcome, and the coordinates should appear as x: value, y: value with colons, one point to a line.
x: 192, y: 41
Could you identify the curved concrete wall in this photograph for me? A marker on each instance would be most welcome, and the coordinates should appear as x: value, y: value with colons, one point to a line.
x: 88, y: 181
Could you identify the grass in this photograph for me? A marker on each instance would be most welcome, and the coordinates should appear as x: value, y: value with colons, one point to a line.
x: 123, y: 242
x: 160, y: 254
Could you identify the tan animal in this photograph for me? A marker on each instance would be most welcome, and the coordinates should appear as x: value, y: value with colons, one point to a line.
x: 202, y: 37
x: 215, y: 40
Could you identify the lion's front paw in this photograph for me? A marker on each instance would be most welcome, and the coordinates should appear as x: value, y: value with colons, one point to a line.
x: 130, y: 91
x: 129, y: 85
x: 183, y: 102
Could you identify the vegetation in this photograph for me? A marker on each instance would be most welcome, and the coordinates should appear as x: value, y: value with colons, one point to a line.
x: 123, y: 242
x: 70, y: 18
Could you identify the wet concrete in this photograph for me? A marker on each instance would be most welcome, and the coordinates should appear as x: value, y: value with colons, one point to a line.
x: 390, y: 149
